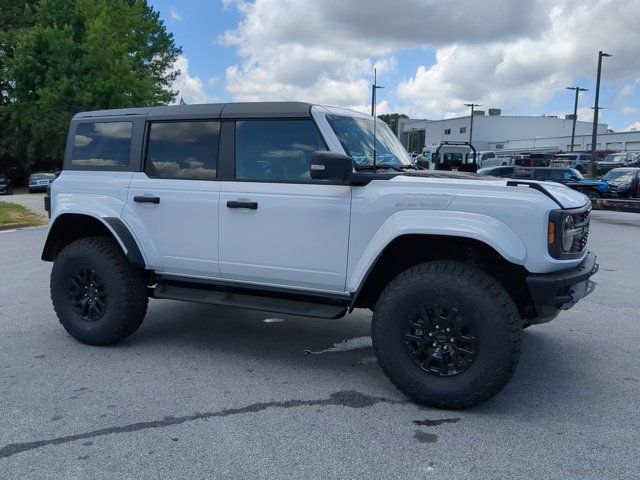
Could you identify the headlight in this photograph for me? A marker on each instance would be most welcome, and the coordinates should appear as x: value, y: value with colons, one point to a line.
x: 568, y: 232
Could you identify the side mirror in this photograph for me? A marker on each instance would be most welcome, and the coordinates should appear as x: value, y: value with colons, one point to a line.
x: 332, y: 166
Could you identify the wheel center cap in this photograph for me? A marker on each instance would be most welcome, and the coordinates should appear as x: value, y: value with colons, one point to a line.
x: 441, y: 337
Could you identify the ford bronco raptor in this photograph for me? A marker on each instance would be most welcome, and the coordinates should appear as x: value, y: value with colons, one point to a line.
x: 308, y: 210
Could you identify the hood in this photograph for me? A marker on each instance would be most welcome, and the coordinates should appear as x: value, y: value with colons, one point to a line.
x: 564, y: 195
x: 590, y: 182
x: 567, y: 197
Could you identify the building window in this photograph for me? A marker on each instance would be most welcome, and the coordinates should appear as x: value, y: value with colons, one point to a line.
x: 463, y: 129
x: 447, y: 131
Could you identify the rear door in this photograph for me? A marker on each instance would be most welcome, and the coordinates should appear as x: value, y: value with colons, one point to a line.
x: 173, y: 204
x: 279, y: 227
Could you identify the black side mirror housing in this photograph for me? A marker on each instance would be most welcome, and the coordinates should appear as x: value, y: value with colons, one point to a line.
x: 332, y: 166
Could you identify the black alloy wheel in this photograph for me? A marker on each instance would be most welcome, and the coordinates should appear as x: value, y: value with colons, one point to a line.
x: 87, y: 294
x: 440, y: 341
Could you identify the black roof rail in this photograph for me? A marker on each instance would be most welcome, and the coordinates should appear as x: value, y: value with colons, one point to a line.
x: 535, y: 186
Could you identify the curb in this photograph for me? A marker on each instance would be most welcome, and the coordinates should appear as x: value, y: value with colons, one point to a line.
x: 13, y: 226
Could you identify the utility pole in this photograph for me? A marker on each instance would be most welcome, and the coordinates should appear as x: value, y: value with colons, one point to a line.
x: 594, y: 134
x: 575, y: 112
x: 374, y: 87
x: 472, y: 105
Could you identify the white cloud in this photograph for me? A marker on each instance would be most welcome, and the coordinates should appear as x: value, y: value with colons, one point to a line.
x: 189, y: 88
x: 633, y: 127
x: 502, y: 53
x: 175, y: 14
x: 326, y: 51
x: 525, y: 73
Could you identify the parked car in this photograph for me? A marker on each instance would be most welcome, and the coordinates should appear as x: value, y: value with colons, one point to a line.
x: 493, y: 159
x: 617, y: 160
x: 39, y: 181
x: 277, y: 206
x: 503, y: 172
x: 6, y: 186
x: 579, y: 161
x: 533, y: 160
x: 571, y: 177
x: 623, y: 182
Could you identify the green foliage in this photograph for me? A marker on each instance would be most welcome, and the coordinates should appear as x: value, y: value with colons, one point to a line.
x: 84, y: 55
x: 391, y: 119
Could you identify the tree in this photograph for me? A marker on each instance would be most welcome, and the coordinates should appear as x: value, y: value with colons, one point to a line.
x: 391, y: 119
x: 85, y: 55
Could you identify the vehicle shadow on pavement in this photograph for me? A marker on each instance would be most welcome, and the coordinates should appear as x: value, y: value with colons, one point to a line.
x: 550, y: 366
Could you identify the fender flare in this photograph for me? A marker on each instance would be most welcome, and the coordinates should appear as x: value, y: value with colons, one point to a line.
x: 488, y: 230
x: 115, y: 226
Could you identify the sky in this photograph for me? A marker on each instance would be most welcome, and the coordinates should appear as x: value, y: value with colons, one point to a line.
x: 432, y: 56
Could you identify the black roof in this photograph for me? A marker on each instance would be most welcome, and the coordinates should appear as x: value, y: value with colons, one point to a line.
x: 212, y: 110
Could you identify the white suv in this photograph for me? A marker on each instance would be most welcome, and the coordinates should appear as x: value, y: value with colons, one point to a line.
x: 298, y: 208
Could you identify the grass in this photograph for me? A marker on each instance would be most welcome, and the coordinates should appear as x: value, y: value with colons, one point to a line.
x: 13, y: 213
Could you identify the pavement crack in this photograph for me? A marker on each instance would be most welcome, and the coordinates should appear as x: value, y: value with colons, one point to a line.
x: 349, y: 398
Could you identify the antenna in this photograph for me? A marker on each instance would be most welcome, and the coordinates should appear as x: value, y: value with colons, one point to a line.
x: 374, y: 87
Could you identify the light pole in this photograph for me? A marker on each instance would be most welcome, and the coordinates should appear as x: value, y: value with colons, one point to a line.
x: 374, y: 87
x: 575, y: 112
x: 472, y: 105
x: 594, y: 134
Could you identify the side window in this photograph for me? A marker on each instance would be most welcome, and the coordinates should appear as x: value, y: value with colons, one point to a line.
x: 183, y: 150
x: 568, y: 175
x: 447, y: 131
x: 277, y: 150
x: 463, y: 129
x: 102, y: 144
x: 541, y: 175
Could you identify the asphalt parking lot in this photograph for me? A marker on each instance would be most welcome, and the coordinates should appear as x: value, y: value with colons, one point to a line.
x: 207, y: 392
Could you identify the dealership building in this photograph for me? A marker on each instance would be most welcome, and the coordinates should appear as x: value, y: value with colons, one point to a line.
x: 509, y: 133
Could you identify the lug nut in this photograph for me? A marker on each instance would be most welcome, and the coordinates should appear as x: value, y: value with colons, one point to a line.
x: 437, y: 326
x: 448, y: 329
x: 453, y: 340
x: 430, y: 334
x: 445, y: 348
x: 434, y: 344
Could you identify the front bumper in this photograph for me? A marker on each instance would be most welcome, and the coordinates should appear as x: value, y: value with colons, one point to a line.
x: 552, y: 292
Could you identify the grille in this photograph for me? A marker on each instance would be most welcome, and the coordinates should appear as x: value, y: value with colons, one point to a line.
x: 580, y: 241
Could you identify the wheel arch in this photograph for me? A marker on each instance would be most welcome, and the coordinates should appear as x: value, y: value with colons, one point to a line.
x: 408, y: 250
x: 69, y: 227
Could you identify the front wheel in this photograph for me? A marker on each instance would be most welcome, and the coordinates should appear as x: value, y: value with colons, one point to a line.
x: 98, y: 297
x: 447, y: 334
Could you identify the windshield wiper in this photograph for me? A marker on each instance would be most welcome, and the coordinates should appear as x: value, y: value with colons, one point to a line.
x: 372, y: 167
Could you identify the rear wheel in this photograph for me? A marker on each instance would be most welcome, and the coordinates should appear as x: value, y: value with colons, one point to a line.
x: 98, y: 297
x: 447, y: 334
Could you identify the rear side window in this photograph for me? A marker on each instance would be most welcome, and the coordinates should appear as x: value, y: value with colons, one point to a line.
x: 541, y: 174
x: 183, y: 150
x: 102, y: 144
x: 277, y: 150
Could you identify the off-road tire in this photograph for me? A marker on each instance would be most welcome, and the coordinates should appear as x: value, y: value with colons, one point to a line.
x: 126, y: 301
x: 476, y: 295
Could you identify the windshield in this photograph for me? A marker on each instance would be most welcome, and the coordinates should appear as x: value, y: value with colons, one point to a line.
x: 613, y: 175
x: 614, y: 158
x: 43, y: 176
x: 577, y: 174
x: 565, y: 157
x: 356, y: 136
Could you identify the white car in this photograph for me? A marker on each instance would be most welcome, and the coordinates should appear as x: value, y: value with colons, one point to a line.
x: 287, y: 207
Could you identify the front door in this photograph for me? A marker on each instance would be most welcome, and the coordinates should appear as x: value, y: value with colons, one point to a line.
x: 172, y: 207
x: 277, y: 226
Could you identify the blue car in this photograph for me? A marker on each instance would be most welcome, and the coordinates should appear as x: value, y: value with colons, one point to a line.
x: 572, y: 178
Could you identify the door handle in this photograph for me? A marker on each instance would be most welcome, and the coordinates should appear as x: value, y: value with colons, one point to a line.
x: 241, y: 204
x: 146, y: 199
